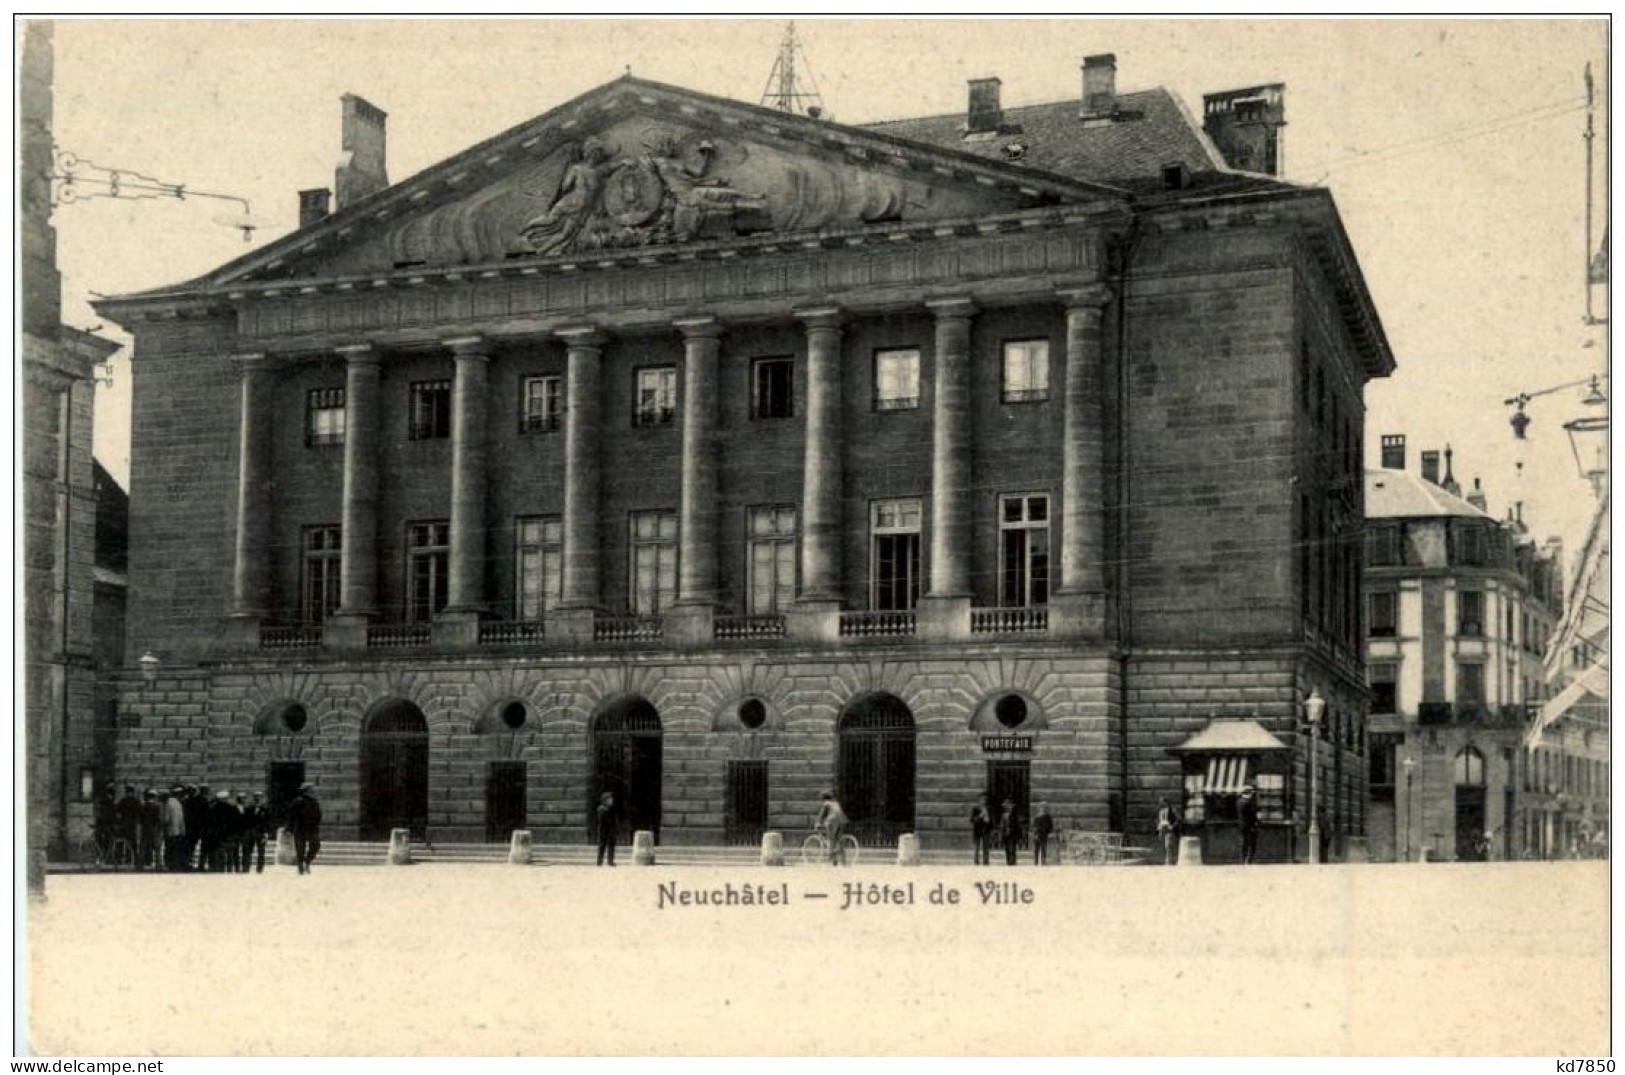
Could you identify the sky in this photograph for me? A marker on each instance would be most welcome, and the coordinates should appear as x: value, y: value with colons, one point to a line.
x: 1453, y: 148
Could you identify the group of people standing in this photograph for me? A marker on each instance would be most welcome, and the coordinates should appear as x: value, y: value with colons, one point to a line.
x: 191, y: 828
x: 1009, y: 832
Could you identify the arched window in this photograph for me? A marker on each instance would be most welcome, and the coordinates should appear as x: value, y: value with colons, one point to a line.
x: 1470, y: 768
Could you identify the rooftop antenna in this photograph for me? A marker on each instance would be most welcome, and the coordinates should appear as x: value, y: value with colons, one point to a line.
x: 784, y: 90
x: 1596, y: 257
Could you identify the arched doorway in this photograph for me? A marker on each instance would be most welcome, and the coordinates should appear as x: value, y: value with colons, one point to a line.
x: 1469, y: 773
x: 394, y: 771
x: 626, y: 760
x: 876, y: 768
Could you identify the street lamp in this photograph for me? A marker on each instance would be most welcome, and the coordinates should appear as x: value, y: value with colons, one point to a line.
x: 1410, y: 802
x: 1314, y: 707
x: 149, y: 666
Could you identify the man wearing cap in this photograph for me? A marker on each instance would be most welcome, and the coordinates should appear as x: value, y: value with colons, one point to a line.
x: 305, y: 822
x: 149, y: 851
x: 227, y: 820
x: 128, y: 816
x: 1247, y: 811
x: 198, y: 844
x: 254, y: 833
x: 1010, y: 831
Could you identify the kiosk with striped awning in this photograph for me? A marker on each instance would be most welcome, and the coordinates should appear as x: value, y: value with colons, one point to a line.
x: 1221, y: 760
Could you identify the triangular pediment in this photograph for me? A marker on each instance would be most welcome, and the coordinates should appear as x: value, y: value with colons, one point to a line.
x: 638, y: 165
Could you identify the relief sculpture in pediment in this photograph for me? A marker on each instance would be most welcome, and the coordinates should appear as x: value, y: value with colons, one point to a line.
x: 667, y: 194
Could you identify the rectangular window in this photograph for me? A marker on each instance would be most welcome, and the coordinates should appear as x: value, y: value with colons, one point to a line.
x: 772, y: 552
x: 321, y: 594
x: 1383, y: 677
x: 1382, y: 546
x: 1272, y: 796
x: 1473, y: 550
x: 897, y: 379
x: 895, y: 553
x: 542, y: 402
x: 1024, y: 550
x: 324, y: 417
x: 538, y: 565
x: 1026, y: 371
x: 655, y: 403
x: 431, y: 410
x: 1469, y: 683
x: 1470, y: 613
x: 1384, y: 622
x: 427, y: 567
x: 654, y: 561
x: 773, y: 392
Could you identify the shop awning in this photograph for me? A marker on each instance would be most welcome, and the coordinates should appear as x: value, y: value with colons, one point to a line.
x: 1230, y: 737
x: 1227, y: 774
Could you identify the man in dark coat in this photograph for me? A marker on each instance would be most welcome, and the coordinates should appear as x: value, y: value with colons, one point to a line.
x: 1247, y: 812
x: 198, y: 844
x: 609, y: 820
x: 1010, y: 831
x: 1043, y: 826
x: 305, y: 823
x: 149, y: 853
x: 255, y: 821
x: 981, y: 831
x: 128, y: 816
x: 104, y: 825
x: 226, y: 821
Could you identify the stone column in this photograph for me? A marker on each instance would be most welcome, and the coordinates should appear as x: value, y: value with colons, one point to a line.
x: 358, y: 568
x: 697, y: 524
x: 581, y: 468
x: 1080, y: 597
x: 249, y: 597
x: 951, y: 451
x: 821, y: 514
x: 465, y: 596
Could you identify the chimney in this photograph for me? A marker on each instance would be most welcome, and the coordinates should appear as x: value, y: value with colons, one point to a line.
x: 1450, y: 485
x: 1245, y: 125
x: 1393, y: 451
x: 313, y: 205
x: 983, y: 114
x: 1477, y: 498
x: 1430, y: 467
x: 1099, y: 86
x: 361, y: 158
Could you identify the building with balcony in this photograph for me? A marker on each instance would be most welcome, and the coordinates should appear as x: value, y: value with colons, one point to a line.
x: 1459, y: 610
x: 717, y: 456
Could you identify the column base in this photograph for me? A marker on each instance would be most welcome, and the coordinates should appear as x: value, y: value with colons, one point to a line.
x: 346, y: 630
x: 943, y: 618
x: 457, y: 627
x: 814, y: 619
x: 570, y: 625
x: 1077, y: 615
x: 239, y: 631
x: 690, y: 625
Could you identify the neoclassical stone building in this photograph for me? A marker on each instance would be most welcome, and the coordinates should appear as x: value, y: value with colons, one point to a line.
x: 717, y: 456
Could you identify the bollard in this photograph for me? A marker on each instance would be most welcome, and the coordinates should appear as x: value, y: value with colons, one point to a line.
x: 772, y: 849
x: 1358, y: 851
x: 400, y: 847
x: 643, y: 848
x: 519, y: 848
x: 284, y: 848
x: 1190, y: 851
x: 908, y: 850
x: 1425, y: 854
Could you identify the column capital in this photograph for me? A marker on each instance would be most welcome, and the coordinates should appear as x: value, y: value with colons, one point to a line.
x: 952, y: 306
x: 359, y: 354
x: 581, y: 336
x: 468, y: 346
x: 824, y: 317
x: 253, y: 361
x: 1084, y: 296
x: 704, y: 327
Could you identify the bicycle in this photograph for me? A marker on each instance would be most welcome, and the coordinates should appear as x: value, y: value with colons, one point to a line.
x: 115, y: 853
x: 816, y: 849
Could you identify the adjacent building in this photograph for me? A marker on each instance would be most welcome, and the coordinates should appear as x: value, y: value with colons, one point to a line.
x: 59, y: 500
x: 1460, y: 607
x: 716, y: 456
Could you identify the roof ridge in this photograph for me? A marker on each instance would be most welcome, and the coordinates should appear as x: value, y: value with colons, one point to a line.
x: 1013, y: 108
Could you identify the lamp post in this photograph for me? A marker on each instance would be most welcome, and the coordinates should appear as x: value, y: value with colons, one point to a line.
x: 1410, y: 802
x: 1313, y: 708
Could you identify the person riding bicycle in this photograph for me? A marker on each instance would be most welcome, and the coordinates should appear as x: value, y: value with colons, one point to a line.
x: 831, y: 822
